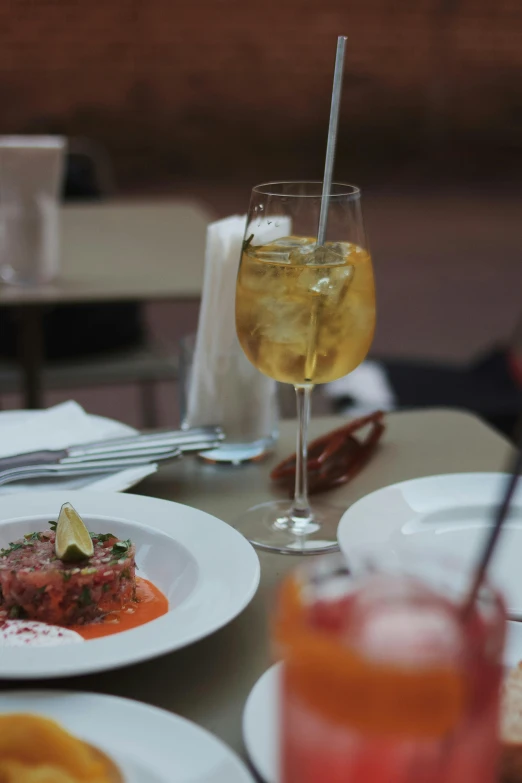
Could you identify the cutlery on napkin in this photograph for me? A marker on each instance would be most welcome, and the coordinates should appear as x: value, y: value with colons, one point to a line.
x: 134, y: 449
x: 58, y: 428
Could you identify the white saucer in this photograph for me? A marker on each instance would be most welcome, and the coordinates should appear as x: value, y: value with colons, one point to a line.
x: 148, y: 745
x: 261, y: 724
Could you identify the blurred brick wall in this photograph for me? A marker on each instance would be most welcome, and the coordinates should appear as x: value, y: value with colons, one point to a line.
x: 236, y: 87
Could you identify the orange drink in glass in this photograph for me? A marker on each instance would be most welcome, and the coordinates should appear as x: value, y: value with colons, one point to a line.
x: 382, y: 680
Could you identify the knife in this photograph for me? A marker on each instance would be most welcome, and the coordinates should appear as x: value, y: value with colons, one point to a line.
x: 144, y: 445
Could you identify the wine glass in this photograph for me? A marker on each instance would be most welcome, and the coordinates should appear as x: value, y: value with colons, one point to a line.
x: 305, y: 314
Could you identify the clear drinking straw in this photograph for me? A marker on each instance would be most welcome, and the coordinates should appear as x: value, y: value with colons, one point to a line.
x: 332, y: 138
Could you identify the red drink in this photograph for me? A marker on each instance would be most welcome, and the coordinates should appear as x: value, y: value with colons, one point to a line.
x: 383, y: 682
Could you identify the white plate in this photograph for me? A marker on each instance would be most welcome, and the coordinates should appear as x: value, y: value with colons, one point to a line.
x: 149, y: 745
x: 261, y: 724
x: 449, y: 515
x: 114, y: 482
x: 208, y: 571
x: 261, y: 731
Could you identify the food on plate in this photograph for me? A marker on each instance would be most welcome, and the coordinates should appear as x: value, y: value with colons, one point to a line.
x: 19, y: 633
x: 37, y: 585
x: 34, y: 749
x: 511, y: 727
x: 49, y: 576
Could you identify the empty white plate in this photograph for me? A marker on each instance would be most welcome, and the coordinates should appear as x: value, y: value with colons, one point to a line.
x: 148, y: 745
x: 447, y: 515
x: 207, y: 570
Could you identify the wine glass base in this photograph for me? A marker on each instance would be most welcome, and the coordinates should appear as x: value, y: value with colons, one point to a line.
x: 238, y: 453
x: 270, y: 526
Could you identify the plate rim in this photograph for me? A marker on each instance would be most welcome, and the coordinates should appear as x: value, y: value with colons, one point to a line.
x: 514, y: 628
x: 252, y: 748
x: 420, y: 479
x: 13, y: 663
x: 244, y: 775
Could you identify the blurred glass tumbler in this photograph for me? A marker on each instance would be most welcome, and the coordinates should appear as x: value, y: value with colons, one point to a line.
x: 383, y: 681
x: 249, y: 418
x: 31, y: 172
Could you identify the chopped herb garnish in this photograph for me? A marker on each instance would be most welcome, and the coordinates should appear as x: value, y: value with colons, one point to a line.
x: 52, y: 525
x: 12, y: 548
x: 103, y: 537
x: 42, y: 589
x: 17, y: 613
x: 121, y: 547
x: 105, y: 588
x: 246, y: 243
x: 85, y: 598
x: 66, y: 575
x: 32, y: 536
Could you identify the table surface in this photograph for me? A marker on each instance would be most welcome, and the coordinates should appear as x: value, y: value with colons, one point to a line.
x: 209, y: 681
x: 143, y: 250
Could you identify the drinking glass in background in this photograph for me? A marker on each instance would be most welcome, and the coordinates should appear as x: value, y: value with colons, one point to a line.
x: 305, y: 314
x: 383, y: 681
x: 31, y: 173
x: 250, y: 420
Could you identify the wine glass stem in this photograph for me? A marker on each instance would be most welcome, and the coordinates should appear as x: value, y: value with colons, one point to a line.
x: 301, y: 507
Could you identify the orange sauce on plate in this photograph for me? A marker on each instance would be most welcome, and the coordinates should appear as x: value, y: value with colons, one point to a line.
x: 150, y: 604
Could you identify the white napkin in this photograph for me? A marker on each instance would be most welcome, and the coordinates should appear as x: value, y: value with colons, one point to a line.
x: 57, y: 428
x: 225, y: 388
x: 368, y: 386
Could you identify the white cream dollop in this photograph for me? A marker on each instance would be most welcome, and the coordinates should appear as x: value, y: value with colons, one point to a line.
x: 25, y: 633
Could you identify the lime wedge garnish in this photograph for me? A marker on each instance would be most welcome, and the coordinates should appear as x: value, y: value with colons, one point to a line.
x: 73, y: 541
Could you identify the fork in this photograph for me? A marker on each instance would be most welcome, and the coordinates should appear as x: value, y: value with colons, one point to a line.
x: 59, y: 470
x: 102, y: 462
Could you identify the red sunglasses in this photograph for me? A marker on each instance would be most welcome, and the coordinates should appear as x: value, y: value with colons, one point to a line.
x: 334, y: 458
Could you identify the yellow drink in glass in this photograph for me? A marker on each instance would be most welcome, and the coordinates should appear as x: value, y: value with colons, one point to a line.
x: 305, y: 315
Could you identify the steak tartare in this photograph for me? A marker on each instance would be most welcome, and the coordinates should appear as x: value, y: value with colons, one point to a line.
x: 36, y: 585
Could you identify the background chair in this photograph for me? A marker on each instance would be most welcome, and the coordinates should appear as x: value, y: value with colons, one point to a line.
x: 92, y: 344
